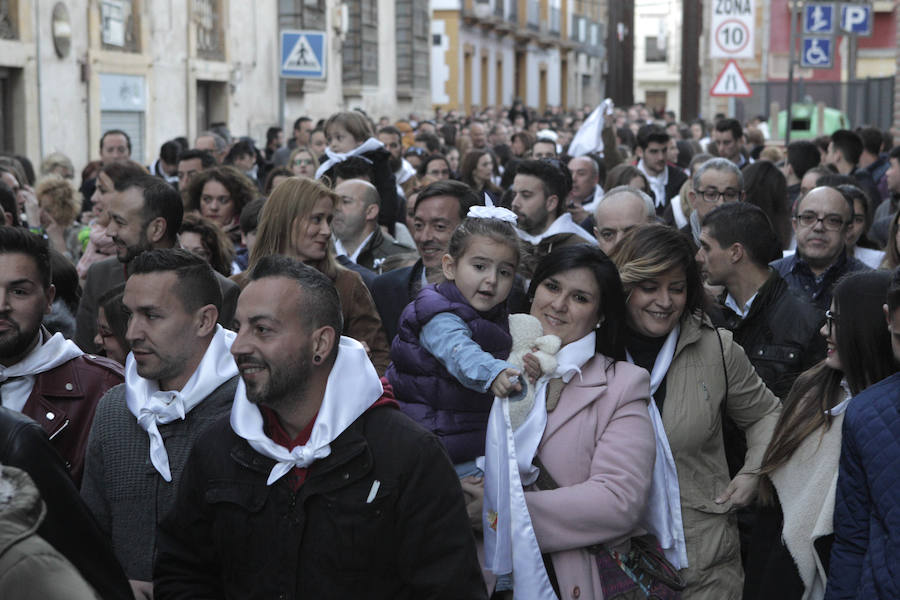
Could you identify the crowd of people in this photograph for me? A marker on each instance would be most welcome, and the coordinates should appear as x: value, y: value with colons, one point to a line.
x: 295, y: 370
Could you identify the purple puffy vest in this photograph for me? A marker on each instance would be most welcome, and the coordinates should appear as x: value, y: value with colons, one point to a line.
x: 426, y: 391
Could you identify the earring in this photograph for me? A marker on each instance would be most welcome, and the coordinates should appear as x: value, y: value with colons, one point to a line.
x: 317, y: 359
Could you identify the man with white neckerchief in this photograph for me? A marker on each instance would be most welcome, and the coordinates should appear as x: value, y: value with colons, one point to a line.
x: 179, y: 378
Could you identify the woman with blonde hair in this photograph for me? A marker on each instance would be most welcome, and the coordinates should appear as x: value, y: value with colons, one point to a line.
x: 698, y: 375
x: 60, y: 205
x: 303, y: 162
x: 296, y: 222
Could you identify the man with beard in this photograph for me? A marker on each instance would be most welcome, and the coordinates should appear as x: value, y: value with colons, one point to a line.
x: 665, y: 180
x: 179, y: 378
x: 47, y: 378
x: 404, y: 172
x: 540, y: 189
x: 440, y: 207
x: 317, y: 486
x: 145, y: 213
x: 355, y: 226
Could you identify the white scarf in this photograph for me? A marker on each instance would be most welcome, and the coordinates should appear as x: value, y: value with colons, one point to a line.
x: 336, y: 157
x: 353, y: 386
x: 49, y: 355
x: 153, y: 407
x: 563, y: 224
x: 663, y: 514
x: 510, y: 545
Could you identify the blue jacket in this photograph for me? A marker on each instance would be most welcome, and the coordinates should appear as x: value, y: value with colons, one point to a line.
x: 866, y: 551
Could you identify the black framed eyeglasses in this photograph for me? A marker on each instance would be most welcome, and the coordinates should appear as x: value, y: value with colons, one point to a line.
x: 830, y: 222
x: 712, y: 195
x: 829, y: 321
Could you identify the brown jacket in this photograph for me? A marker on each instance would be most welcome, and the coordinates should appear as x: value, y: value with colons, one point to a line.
x: 63, y: 401
x: 361, y: 319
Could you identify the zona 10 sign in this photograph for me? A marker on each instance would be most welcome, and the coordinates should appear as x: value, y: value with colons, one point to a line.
x: 732, y: 25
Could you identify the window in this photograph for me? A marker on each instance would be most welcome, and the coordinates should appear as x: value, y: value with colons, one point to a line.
x: 120, y: 25
x: 207, y: 16
x: 412, y: 37
x: 8, y: 17
x: 360, y: 50
x: 301, y: 14
x: 655, y: 49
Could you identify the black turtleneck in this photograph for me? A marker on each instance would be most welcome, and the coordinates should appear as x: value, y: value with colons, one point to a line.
x: 643, y: 350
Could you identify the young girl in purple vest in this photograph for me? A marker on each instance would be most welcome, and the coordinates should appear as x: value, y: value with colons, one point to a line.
x: 449, y: 356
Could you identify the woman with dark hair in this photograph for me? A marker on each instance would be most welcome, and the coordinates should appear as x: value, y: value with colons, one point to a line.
x: 477, y: 170
x: 112, y: 323
x: 766, y: 187
x: 624, y: 174
x: 206, y: 239
x: 520, y: 144
x: 276, y: 176
x: 436, y: 166
x: 698, y: 375
x: 858, y: 244
x: 791, y: 545
x: 596, y: 449
x: 219, y: 194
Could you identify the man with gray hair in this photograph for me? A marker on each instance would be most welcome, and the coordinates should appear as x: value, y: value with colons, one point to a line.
x: 622, y: 209
x: 212, y: 142
x: 356, y: 232
x: 586, y: 191
x: 718, y: 181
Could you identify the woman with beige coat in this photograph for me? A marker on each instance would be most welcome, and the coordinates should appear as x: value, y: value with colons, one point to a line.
x: 697, y: 374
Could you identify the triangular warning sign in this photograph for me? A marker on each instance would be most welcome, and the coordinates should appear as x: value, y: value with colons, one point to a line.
x: 302, y: 57
x: 731, y: 82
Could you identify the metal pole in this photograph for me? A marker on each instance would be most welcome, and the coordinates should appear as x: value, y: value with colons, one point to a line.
x: 790, y: 83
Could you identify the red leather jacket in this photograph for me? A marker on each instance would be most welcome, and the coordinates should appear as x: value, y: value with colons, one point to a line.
x: 63, y: 401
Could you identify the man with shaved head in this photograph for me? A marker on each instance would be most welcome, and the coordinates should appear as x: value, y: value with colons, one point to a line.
x: 356, y: 232
x: 586, y: 191
x: 622, y: 209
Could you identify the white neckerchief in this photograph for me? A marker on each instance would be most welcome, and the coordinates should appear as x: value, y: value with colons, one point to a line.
x: 562, y: 224
x: 153, y: 407
x: 339, y: 248
x: 678, y: 213
x: 510, y: 545
x: 337, y: 157
x: 405, y: 172
x: 44, y: 357
x: 663, y: 513
x: 353, y: 386
x: 657, y: 182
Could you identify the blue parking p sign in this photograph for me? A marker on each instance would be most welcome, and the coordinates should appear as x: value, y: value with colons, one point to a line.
x: 303, y: 54
x: 857, y: 19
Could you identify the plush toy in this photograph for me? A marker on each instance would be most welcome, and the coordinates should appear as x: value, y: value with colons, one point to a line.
x: 527, y: 333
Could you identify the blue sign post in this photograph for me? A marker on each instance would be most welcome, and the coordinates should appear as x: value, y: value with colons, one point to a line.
x: 303, y: 55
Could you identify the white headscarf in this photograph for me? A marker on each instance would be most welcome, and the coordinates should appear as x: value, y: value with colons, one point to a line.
x: 352, y: 387
x: 153, y: 407
x: 336, y: 157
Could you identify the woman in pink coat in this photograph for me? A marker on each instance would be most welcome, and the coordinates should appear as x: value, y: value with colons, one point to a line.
x: 598, y: 444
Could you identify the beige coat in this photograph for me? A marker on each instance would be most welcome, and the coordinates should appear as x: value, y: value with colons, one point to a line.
x: 692, y: 417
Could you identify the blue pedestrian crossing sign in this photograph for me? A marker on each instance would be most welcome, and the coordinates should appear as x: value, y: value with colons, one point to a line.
x: 818, y: 18
x: 817, y: 53
x: 303, y: 54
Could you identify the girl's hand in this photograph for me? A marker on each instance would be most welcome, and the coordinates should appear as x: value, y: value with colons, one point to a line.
x: 473, y: 491
x: 741, y: 491
x: 532, y: 367
x: 502, y: 386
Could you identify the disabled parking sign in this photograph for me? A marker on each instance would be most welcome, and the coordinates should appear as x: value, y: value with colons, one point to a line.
x: 303, y: 54
x: 817, y: 53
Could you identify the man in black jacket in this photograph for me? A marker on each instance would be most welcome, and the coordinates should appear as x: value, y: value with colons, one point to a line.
x: 778, y: 330
x: 317, y: 486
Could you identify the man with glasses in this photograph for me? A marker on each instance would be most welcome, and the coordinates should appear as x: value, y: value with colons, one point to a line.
x: 718, y: 181
x: 820, y: 222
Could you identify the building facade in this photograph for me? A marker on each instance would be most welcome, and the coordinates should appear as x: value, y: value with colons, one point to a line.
x: 160, y: 69
x: 491, y: 52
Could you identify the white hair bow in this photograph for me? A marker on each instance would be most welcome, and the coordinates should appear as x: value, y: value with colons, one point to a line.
x: 492, y: 212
